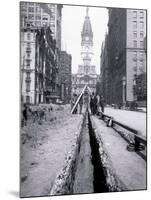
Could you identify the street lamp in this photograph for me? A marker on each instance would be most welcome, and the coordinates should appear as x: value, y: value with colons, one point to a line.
x: 134, y: 88
x: 124, y: 85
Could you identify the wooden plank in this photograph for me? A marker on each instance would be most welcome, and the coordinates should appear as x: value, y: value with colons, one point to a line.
x: 134, y: 131
x: 75, y: 105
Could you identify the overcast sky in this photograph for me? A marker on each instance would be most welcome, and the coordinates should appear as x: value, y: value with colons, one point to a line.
x: 72, y: 23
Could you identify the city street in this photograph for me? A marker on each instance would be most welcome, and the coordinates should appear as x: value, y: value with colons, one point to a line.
x: 75, y: 73
x: 83, y: 149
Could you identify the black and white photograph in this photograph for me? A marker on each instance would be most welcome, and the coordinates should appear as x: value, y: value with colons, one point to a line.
x: 83, y: 99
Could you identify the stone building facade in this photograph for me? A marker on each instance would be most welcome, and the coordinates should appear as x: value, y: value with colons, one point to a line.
x: 33, y: 18
x: 126, y: 56
x: 136, y: 51
x: 46, y: 69
x: 27, y: 63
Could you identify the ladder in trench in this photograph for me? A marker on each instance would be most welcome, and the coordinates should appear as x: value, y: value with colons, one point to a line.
x: 78, y: 99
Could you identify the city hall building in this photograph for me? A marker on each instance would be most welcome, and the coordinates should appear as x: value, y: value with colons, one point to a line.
x: 86, y: 74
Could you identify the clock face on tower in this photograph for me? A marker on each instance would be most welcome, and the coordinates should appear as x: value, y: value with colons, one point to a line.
x: 87, y: 48
x: 86, y: 38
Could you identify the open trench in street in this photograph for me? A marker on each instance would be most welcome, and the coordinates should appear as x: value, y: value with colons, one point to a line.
x: 89, y: 175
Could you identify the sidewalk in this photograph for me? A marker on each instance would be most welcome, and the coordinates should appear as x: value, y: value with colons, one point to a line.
x: 128, y: 168
x: 136, y: 120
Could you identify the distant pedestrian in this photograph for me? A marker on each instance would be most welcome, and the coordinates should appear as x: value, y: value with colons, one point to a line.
x: 72, y: 101
x: 93, y: 104
x: 102, y: 103
x: 81, y: 104
x: 24, y: 114
x: 98, y: 103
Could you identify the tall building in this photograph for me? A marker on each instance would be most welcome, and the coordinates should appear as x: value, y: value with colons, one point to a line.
x: 136, y: 52
x: 65, y: 70
x: 86, y: 71
x: 46, y: 69
x: 126, y: 53
x: 116, y: 55
x: 104, y: 74
x: 33, y: 17
x: 27, y: 60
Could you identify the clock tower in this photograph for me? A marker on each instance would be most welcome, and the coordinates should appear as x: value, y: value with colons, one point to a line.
x: 86, y: 71
x: 87, y: 42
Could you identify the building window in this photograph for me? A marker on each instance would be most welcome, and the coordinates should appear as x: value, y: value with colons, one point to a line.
x: 141, y: 44
x: 27, y: 86
x: 23, y: 9
x: 28, y: 50
x: 134, y: 24
x: 28, y: 63
x: 135, y: 34
x: 28, y: 25
x: 31, y: 4
x: 28, y: 55
x: 141, y: 24
x: 141, y: 14
x: 31, y: 9
x: 135, y: 14
x: 141, y: 63
x: 31, y: 17
x: 28, y: 44
x: 135, y: 43
x: 135, y: 56
x: 38, y: 9
x: 28, y: 75
x: 52, y: 25
x: 38, y: 17
x: 28, y: 36
x: 52, y: 17
x: 141, y: 57
x: 38, y: 24
x: 141, y: 34
x: 142, y: 67
x: 27, y: 99
x: 45, y: 18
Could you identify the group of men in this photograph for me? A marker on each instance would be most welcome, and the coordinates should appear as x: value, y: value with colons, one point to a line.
x: 95, y: 101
